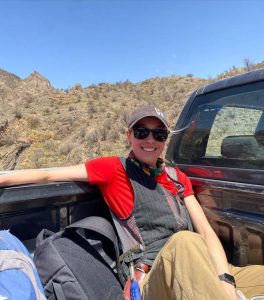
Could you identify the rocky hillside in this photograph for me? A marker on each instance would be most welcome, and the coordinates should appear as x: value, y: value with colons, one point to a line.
x: 44, y: 127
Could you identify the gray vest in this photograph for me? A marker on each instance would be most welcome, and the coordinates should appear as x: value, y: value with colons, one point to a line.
x: 157, y: 214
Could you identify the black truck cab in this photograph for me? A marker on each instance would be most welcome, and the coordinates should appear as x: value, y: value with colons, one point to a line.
x: 220, y: 146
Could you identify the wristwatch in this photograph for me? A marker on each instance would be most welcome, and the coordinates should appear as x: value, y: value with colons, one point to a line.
x: 228, y: 278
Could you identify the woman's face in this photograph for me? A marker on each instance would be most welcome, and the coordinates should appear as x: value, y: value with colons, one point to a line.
x: 147, y: 150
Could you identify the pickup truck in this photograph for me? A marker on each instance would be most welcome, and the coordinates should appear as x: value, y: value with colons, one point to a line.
x: 219, y: 145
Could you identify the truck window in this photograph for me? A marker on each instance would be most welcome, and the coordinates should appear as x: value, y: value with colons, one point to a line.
x: 232, y: 122
x: 227, y: 130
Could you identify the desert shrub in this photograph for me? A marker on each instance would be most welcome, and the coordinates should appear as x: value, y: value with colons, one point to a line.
x: 123, y: 130
x: 103, y: 133
x: 248, y: 64
x: 18, y: 113
x: 107, y: 124
x: 38, y: 153
x: 65, y: 148
x: 40, y: 135
x: 82, y: 132
x: 75, y: 157
x: 96, y: 95
x: 113, y: 135
x: 50, y: 145
x: 33, y: 121
x: 71, y: 108
x: 102, y: 109
x: 93, y: 86
x: 8, y: 140
x: 182, y: 89
x: 125, y: 116
x: 46, y: 111
x: 92, y: 137
x: 107, y: 147
x: 68, y: 120
x: 137, y: 94
x: 91, y: 109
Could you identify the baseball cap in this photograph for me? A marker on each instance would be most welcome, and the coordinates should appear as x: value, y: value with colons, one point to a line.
x: 147, y: 111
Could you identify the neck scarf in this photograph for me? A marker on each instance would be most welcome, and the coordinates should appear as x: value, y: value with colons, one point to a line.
x: 151, y: 171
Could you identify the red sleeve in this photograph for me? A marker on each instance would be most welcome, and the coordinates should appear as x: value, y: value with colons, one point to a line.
x: 101, y: 170
x: 185, y: 180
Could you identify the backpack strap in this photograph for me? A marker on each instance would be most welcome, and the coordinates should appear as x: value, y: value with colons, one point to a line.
x: 174, y: 177
x: 44, y: 234
x: 99, y: 225
x: 102, y: 226
x: 58, y: 291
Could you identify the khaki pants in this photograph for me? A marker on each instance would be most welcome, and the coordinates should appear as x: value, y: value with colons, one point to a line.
x: 184, y: 270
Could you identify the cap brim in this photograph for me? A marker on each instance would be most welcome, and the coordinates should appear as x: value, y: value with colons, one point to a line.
x: 146, y: 116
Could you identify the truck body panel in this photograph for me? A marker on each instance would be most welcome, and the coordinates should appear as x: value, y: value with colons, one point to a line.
x: 222, y: 150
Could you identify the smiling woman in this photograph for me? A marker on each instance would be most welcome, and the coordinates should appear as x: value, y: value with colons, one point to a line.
x: 155, y: 212
x: 146, y: 146
x: 148, y: 131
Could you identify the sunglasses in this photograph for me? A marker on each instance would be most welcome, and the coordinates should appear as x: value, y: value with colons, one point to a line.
x: 159, y: 134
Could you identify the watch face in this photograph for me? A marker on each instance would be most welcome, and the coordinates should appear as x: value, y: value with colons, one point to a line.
x: 229, y: 277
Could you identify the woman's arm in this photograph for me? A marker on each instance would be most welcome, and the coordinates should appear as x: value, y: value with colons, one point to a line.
x: 215, y: 248
x: 73, y: 173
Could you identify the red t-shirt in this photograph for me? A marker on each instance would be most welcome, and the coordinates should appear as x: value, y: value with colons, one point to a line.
x: 109, y: 175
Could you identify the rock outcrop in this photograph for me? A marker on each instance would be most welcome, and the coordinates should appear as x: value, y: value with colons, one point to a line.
x: 35, y: 84
x: 9, y: 155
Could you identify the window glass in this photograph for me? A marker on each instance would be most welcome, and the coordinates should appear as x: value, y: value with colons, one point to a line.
x: 226, y: 129
x: 231, y: 121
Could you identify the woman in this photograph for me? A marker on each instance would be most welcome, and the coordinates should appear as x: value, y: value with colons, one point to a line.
x: 152, y: 206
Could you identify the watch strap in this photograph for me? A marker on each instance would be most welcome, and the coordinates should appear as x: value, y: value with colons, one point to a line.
x: 228, y: 278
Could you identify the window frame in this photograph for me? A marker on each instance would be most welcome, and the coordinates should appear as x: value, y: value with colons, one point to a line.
x: 205, y: 100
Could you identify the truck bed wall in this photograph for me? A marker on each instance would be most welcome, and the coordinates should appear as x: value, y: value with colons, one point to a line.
x: 26, y: 210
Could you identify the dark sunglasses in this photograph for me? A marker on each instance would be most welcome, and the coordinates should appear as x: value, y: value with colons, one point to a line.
x: 159, y: 134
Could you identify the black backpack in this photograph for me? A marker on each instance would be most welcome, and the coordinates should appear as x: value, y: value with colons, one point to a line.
x: 77, y: 263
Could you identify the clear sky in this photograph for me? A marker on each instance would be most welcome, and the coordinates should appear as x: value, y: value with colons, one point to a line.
x: 92, y: 41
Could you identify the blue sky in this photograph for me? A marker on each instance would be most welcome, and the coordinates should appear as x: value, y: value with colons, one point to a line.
x: 93, y: 41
